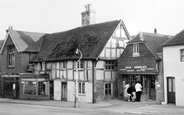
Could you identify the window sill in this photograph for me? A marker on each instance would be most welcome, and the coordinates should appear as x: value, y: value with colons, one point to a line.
x: 81, y: 94
x: 11, y: 67
x: 136, y: 55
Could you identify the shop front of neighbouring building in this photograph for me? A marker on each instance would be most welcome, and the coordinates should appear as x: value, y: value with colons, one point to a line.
x: 145, y: 72
x: 142, y: 61
x: 34, y: 86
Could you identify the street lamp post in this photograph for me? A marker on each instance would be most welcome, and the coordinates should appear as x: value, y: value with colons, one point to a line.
x: 76, y: 79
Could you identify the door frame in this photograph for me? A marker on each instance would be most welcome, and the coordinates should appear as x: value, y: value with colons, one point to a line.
x: 64, y: 92
x: 173, y: 90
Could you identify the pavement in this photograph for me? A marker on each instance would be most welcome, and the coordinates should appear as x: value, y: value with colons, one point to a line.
x: 120, y: 106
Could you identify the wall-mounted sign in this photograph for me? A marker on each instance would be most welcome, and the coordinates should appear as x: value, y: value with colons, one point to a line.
x: 136, y: 68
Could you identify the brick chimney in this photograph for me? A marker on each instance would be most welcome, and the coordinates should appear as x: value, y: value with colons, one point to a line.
x: 88, y: 16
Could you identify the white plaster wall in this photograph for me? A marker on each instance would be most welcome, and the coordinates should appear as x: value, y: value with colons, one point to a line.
x: 99, y: 74
x: 100, y: 64
x: 107, y: 74
x: 71, y: 90
x: 173, y: 67
x: 57, y: 90
x: 70, y: 75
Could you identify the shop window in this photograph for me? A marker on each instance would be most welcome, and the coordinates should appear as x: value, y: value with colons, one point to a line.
x: 11, y: 56
x: 110, y: 65
x: 82, y: 88
x: 136, y: 50
x: 182, y: 55
x: 108, y: 89
x: 29, y: 87
x: 42, y: 88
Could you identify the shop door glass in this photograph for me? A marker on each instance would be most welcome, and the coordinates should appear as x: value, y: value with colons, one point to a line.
x: 171, y: 90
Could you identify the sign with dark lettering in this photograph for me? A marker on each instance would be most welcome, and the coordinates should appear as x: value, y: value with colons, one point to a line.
x: 137, y: 67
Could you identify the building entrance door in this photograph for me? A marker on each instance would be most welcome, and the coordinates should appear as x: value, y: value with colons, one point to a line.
x: 64, y: 91
x: 52, y: 90
x: 171, y: 90
x: 152, y: 88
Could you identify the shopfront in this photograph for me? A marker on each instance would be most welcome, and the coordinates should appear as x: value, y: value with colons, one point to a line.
x: 143, y: 71
x: 34, y: 87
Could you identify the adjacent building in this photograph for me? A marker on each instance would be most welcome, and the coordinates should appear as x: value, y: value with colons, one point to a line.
x: 17, y: 50
x: 173, y: 59
x: 142, y: 61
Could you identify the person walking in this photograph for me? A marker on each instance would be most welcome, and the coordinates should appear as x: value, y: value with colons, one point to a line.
x: 138, y: 89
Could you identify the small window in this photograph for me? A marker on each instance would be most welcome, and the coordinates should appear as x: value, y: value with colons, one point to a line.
x: 108, y: 89
x: 82, y: 88
x: 11, y: 56
x: 135, y: 48
x: 110, y: 65
x: 64, y: 65
x: 182, y: 55
x: 80, y: 65
x: 43, y: 66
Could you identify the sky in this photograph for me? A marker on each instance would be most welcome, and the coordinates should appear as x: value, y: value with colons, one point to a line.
x: 50, y: 16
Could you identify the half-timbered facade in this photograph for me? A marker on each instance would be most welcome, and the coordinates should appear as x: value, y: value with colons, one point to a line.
x: 100, y: 44
x: 142, y: 61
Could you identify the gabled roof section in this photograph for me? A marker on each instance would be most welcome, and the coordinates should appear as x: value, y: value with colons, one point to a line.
x: 25, y: 41
x: 153, y: 41
x: 89, y: 39
x: 178, y: 39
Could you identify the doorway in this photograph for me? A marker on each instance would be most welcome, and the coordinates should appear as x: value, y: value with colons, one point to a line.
x: 171, y: 90
x: 64, y: 91
x: 152, y: 87
x: 52, y: 90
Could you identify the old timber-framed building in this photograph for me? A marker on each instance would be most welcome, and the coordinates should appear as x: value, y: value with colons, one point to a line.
x: 101, y: 45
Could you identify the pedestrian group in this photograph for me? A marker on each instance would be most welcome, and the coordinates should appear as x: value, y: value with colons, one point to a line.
x: 133, y: 92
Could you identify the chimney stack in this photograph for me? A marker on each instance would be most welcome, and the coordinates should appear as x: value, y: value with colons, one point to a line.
x: 10, y: 28
x: 88, y: 16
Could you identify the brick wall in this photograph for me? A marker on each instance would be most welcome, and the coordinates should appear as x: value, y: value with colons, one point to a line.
x: 100, y: 90
x: 160, y: 84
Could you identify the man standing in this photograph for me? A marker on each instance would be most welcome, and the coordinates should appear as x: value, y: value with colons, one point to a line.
x: 138, y: 89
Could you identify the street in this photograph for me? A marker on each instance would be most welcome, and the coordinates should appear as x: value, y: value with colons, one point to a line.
x: 111, y: 107
x: 23, y: 109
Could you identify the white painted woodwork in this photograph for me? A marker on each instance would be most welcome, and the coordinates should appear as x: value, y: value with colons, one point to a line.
x: 71, y: 90
x: 57, y: 90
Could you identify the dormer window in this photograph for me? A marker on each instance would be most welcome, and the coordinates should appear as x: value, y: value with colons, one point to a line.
x: 11, y: 56
x: 135, y: 50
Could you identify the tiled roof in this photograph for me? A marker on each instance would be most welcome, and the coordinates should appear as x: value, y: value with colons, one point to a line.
x: 89, y: 39
x: 153, y: 41
x: 178, y: 39
x: 1, y: 43
x: 26, y: 41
